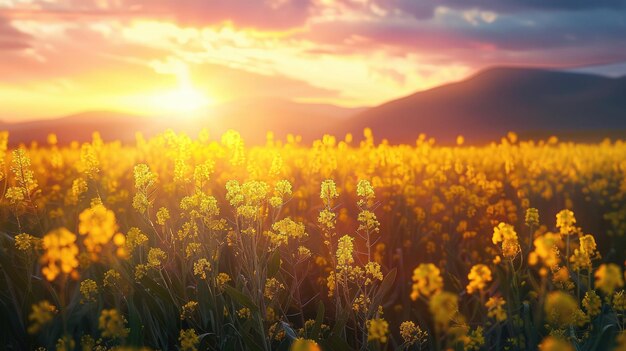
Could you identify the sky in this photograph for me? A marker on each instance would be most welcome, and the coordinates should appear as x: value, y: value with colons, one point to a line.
x: 149, y: 57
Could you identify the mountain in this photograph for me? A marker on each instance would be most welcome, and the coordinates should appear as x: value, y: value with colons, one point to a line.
x: 251, y: 117
x: 80, y: 127
x: 484, y: 107
x: 534, y: 103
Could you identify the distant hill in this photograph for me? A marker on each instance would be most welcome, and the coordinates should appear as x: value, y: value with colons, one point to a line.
x: 532, y: 102
x: 251, y: 117
x: 80, y: 127
x: 254, y: 117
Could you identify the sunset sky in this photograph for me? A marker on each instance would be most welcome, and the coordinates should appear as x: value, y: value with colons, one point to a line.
x: 159, y: 56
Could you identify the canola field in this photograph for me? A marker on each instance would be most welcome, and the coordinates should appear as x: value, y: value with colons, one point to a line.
x: 179, y: 243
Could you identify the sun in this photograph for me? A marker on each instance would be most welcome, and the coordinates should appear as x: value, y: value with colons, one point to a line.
x: 185, y: 98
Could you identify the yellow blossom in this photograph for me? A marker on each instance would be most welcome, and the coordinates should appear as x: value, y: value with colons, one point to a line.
x: 42, y: 313
x: 377, y: 330
x: 201, y: 268
x: 427, y: 281
x: 162, y: 215
x: 608, y: 278
x: 345, y: 249
x: 565, y: 222
x: 60, y: 255
x: 561, y: 309
x: 189, y: 340
x: 112, y: 324
x: 412, y: 334
x: 479, y: 276
x: 495, y: 308
x: 89, y: 290
x: 552, y: 343
x: 444, y: 307
x: 188, y: 310
x: 300, y: 344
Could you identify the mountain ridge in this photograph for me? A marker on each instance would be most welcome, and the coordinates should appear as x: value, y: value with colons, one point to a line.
x: 483, y: 107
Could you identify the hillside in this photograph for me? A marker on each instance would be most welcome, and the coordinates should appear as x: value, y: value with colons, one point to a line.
x: 495, y: 101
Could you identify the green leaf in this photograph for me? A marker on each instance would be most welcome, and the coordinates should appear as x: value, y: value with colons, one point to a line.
x: 274, y: 264
x: 319, y: 319
x: 240, y: 298
x: 384, y: 288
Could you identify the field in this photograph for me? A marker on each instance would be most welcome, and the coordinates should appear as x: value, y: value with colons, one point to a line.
x: 204, y: 243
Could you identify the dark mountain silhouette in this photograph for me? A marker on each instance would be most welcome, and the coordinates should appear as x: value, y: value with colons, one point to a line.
x: 532, y: 102
x: 484, y: 107
x: 251, y: 117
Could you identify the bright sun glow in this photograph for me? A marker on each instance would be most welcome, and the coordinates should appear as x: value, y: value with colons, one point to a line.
x: 183, y: 99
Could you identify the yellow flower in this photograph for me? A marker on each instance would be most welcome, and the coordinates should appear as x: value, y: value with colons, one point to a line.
x: 373, y: 273
x: 412, y: 334
x: 98, y: 225
x: 303, y: 252
x: 368, y: 221
x: 60, y: 255
x: 427, y: 281
x: 300, y: 344
x: 365, y: 191
x: 619, y: 301
x: 592, y: 303
x: 79, y: 187
x: 42, y: 313
x: 282, y: 189
x: 162, y: 216
x: 565, y: 222
x: 474, y: 340
x: 328, y: 191
x: 327, y: 219
x: 561, y: 309
x: 495, y: 308
x: 156, y: 257
x: 377, y: 330
x: 24, y: 176
x: 112, y: 324
x: 479, y: 276
x: 444, y: 307
x: 588, y: 244
x: 546, y: 249
x: 222, y: 279
x: 89, y: 163
x: 503, y: 232
x: 552, y: 343
x: 510, y: 248
x: 134, y: 239
x: 272, y: 288
x: 89, y: 290
x: 25, y: 242
x: 345, y: 248
x: 189, y: 340
x: 112, y: 278
x: 244, y: 313
x: 608, y: 278
x: 201, y: 268
x: 532, y: 217
x: 188, y: 310
x: 286, y: 229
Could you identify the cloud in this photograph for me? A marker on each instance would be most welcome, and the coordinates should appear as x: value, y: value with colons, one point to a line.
x: 351, y: 52
x: 11, y: 38
x: 267, y: 14
x: 426, y: 9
